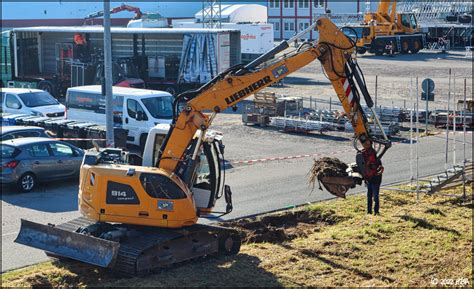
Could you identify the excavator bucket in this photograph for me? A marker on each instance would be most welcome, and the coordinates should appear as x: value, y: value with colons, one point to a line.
x: 338, y: 186
x: 59, y: 242
x: 334, y: 175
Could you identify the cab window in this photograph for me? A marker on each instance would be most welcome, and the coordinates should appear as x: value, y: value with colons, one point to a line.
x: 413, y: 21
x: 405, y: 20
x: 134, y: 108
x: 12, y: 102
x: 161, y: 187
x: 159, y: 138
x: 2, y: 98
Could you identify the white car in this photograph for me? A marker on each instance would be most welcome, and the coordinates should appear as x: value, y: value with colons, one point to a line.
x: 30, y: 101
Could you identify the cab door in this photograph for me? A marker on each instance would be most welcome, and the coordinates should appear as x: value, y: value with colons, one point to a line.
x: 13, y: 104
x: 208, y: 184
x: 135, y: 120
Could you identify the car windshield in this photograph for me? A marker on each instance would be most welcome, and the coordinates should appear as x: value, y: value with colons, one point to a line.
x: 8, y: 152
x: 33, y: 99
x: 159, y: 107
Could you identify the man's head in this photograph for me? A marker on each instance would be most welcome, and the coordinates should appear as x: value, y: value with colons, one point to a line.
x: 365, y: 141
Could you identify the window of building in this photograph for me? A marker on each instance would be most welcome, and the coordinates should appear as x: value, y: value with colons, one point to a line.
x: 292, y: 26
x: 303, y: 3
x: 318, y: 3
x: 288, y: 3
x: 303, y: 25
x: 276, y: 26
x: 274, y: 3
x: 286, y: 26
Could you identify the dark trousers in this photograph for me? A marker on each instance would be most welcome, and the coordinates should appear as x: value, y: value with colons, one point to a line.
x: 373, y: 189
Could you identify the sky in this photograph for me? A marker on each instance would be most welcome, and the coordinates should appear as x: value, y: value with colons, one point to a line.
x: 67, y: 9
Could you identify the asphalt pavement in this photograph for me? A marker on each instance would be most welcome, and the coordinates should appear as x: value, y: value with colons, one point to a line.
x: 257, y: 188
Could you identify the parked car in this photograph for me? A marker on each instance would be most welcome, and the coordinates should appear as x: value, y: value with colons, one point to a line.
x: 30, y: 101
x: 27, y: 161
x: 16, y: 131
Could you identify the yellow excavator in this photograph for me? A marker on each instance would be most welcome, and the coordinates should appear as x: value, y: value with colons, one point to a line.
x: 140, y: 218
x: 386, y: 28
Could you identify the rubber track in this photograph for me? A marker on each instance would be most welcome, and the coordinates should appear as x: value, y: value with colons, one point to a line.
x: 147, y: 237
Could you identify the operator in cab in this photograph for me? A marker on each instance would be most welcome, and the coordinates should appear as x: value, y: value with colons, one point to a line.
x: 372, y: 174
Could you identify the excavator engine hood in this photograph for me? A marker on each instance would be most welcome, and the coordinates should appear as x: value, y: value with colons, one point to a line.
x: 63, y: 243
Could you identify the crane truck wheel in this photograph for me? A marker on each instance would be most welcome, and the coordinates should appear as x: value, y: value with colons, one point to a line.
x: 416, y: 46
x: 361, y: 50
x: 47, y: 86
x: 229, y: 244
x: 405, y: 46
x: 379, y: 47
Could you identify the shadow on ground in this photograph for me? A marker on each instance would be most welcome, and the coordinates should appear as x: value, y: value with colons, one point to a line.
x: 53, y: 197
x: 421, y: 56
x: 239, y: 270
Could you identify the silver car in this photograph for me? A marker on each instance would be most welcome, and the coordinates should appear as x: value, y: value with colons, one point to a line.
x: 16, y: 131
x: 27, y: 161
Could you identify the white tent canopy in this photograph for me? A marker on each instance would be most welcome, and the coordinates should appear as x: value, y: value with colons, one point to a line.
x: 239, y: 13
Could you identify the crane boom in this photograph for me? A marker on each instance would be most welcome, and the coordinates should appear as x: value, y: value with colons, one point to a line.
x: 123, y: 7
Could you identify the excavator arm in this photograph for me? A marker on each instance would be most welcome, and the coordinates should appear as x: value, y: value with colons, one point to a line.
x: 333, y: 50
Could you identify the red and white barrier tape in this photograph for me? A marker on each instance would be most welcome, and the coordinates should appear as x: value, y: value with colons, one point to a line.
x: 76, y: 139
x: 250, y: 162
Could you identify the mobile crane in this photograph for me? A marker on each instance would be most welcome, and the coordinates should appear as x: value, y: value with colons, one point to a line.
x: 139, y: 218
x: 387, y: 27
x: 124, y: 7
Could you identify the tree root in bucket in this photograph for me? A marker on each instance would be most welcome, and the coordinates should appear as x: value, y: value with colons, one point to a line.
x: 328, y: 167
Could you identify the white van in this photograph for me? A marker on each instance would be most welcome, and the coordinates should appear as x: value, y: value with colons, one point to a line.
x: 30, y: 101
x: 136, y: 110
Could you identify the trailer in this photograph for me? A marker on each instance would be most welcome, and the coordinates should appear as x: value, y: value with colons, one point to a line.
x: 256, y: 38
x: 169, y: 59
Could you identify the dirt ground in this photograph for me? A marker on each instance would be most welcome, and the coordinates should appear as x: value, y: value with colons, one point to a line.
x: 425, y: 242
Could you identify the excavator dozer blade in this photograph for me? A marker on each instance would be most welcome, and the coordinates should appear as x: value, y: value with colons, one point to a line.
x: 80, y: 247
x: 338, y: 186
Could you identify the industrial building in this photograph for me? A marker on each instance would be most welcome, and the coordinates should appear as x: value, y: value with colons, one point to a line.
x: 290, y: 16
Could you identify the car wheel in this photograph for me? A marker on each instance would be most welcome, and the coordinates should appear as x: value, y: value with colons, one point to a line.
x: 26, y: 183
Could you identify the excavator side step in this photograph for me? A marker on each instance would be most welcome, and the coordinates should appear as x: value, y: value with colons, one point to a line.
x: 140, y: 253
